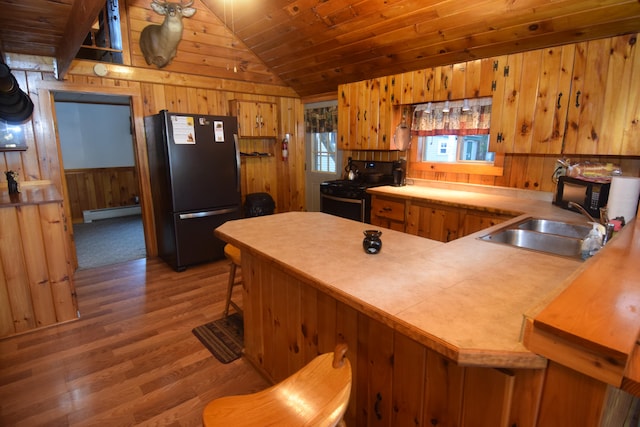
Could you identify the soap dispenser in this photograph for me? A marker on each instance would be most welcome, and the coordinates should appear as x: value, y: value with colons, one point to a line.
x: 593, y: 242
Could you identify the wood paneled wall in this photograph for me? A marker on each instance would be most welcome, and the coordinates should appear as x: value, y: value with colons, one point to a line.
x: 99, y: 188
x: 150, y: 93
x: 524, y: 171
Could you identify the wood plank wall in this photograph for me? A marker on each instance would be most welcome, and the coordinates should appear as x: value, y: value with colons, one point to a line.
x: 40, y: 163
x: 99, y: 188
x: 524, y: 171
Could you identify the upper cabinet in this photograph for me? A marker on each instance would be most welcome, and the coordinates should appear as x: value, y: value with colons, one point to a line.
x: 256, y: 119
x: 573, y: 99
x: 363, y: 115
x: 530, y: 100
x: 604, y: 107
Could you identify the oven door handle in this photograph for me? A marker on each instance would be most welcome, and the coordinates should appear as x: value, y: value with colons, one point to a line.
x: 342, y: 199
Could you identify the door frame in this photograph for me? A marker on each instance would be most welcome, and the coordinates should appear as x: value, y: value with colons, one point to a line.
x: 46, y: 104
x: 313, y: 179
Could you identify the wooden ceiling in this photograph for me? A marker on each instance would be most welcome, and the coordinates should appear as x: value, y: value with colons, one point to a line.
x: 314, y: 45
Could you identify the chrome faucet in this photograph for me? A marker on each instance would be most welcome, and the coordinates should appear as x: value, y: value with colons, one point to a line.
x: 604, y: 220
x: 583, y: 211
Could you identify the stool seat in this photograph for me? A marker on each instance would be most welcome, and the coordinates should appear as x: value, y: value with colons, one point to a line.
x: 233, y: 254
x: 316, y: 395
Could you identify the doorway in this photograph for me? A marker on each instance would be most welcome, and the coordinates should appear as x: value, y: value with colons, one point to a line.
x: 98, y: 157
x: 323, y: 159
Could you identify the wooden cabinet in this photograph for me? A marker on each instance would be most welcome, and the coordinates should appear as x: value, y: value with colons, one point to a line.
x: 388, y: 212
x: 433, y: 221
x: 36, y: 286
x: 256, y: 119
x: 604, y: 110
x: 479, y: 220
x: 364, y: 115
x: 572, y: 99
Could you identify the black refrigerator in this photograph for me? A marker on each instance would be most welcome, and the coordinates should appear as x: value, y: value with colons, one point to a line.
x: 194, y: 166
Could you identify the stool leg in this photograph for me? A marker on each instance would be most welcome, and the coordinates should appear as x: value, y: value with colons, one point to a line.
x: 232, y: 278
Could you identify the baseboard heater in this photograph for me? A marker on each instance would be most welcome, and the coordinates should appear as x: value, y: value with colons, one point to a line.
x: 94, y: 214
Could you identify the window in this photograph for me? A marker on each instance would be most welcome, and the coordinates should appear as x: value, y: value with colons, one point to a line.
x: 453, y: 131
x: 321, y: 125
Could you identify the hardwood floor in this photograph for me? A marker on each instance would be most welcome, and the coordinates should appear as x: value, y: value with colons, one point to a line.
x: 131, y: 359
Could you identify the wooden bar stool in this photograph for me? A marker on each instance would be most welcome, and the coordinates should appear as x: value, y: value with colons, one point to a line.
x: 233, y: 254
x: 316, y: 395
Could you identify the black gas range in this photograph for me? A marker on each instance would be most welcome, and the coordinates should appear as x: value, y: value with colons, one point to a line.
x: 348, y: 198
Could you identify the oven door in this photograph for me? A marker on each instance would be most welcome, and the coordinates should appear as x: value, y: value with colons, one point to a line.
x: 356, y: 209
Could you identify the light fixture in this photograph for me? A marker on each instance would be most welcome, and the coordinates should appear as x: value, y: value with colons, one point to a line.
x: 465, y: 105
x: 446, y: 108
x: 428, y: 108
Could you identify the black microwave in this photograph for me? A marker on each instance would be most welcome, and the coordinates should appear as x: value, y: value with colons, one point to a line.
x: 591, y: 195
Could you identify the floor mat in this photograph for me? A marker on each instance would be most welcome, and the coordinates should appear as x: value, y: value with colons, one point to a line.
x: 223, y: 337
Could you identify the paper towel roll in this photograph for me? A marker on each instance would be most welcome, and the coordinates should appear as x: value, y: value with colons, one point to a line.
x: 623, y: 197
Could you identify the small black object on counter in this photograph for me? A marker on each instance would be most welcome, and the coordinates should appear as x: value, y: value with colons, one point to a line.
x: 372, y: 243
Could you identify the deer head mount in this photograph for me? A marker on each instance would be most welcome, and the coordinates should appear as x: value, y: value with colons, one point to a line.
x: 159, y: 43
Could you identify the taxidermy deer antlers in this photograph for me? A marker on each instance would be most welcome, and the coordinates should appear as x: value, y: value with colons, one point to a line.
x: 159, y: 43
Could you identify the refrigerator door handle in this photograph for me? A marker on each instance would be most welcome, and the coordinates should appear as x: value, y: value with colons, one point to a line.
x: 207, y: 213
x: 237, y: 145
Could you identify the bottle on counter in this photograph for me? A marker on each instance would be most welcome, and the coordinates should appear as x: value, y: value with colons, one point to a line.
x: 593, y: 242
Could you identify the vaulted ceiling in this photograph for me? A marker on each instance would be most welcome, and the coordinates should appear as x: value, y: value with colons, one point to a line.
x: 314, y: 45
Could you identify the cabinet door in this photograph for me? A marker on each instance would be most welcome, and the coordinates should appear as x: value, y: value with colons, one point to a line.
x: 443, y: 76
x: 268, y: 119
x: 554, y: 85
x: 433, y: 221
x: 344, y: 117
x: 589, y: 82
x: 247, y: 114
x: 508, y: 71
x: 599, y: 118
x: 526, y: 101
x: 476, y: 221
x: 364, y: 115
x: 256, y: 119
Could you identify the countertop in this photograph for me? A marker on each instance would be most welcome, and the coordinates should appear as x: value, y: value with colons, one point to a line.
x: 466, y: 299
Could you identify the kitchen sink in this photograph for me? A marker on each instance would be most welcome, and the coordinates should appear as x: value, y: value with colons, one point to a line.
x: 542, y: 235
x: 547, y: 226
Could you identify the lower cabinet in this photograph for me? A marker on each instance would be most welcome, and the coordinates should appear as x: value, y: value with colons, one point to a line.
x: 388, y: 212
x: 431, y: 220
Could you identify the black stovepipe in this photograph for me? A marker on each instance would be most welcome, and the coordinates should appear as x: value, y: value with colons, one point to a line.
x: 15, y: 105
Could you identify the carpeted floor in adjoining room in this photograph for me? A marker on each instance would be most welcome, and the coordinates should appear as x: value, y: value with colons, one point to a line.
x: 109, y: 241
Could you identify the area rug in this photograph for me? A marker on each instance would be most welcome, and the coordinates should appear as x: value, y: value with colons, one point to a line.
x: 223, y: 337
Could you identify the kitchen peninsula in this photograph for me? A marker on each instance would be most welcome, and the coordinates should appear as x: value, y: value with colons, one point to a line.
x: 435, y: 331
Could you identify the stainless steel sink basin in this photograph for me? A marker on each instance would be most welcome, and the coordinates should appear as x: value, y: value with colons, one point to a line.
x: 547, y: 226
x: 541, y: 235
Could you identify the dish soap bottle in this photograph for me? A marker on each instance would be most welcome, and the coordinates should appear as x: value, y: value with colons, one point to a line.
x: 592, y: 243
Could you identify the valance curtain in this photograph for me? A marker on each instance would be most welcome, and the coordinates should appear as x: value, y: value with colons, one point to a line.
x: 467, y: 117
x: 319, y: 120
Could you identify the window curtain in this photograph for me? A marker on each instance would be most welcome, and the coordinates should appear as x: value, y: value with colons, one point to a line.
x: 319, y: 120
x: 465, y: 117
